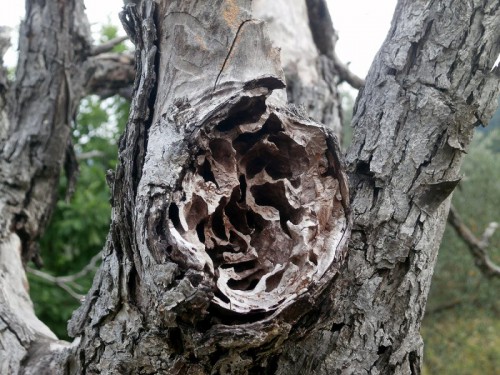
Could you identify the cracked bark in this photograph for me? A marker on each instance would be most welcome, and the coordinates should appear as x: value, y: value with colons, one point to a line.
x: 36, y: 115
x: 230, y: 209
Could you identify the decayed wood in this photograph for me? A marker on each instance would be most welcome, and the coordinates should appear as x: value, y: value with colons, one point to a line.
x: 264, y: 208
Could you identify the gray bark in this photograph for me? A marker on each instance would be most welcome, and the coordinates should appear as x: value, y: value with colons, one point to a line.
x: 56, y: 68
x: 231, y: 211
x: 306, y: 38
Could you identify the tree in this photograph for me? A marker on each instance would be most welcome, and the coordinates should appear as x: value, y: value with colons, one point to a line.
x: 230, y: 208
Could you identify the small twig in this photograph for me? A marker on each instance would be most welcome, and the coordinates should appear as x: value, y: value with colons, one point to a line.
x: 107, y: 46
x: 90, y: 155
x: 64, y: 282
x: 346, y: 75
x: 444, y: 307
x: 84, y: 271
x: 476, y: 246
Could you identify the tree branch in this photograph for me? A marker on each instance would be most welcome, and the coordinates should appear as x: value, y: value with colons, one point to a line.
x: 107, y: 46
x: 90, y: 155
x: 64, y: 281
x: 346, y: 75
x: 325, y: 39
x: 110, y: 74
x: 477, y: 247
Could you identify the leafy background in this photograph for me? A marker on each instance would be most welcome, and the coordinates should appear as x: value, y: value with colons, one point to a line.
x: 461, y: 327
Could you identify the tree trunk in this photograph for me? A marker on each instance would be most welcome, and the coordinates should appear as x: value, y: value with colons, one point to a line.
x: 231, y: 209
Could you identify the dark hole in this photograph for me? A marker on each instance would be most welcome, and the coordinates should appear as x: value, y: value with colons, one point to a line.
x: 246, y: 111
x: 470, y: 98
x: 216, y: 254
x: 222, y: 152
x: 382, y: 349
x: 313, y: 258
x: 255, y: 221
x: 236, y: 214
x: 222, y: 296
x: 245, y: 141
x: 176, y: 341
x: 336, y: 327
x: 279, y: 167
x: 173, y: 214
x: 194, y: 278
x: 273, y: 195
x: 363, y: 168
x: 243, y: 266
x: 292, y: 160
x: 297, y: 260
x: 256, y: 165
x: 244, y: 284
x: 218, y: 226
x: 295, y: 182
x: 206, y: 172
x: 283, y: 221
x: 243, y: 188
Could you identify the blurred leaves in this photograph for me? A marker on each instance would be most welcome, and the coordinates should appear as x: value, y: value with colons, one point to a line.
x: 463, y: 338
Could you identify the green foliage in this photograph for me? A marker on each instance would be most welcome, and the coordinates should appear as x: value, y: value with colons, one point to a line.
x: 461, y: 326
x: 78, y: 228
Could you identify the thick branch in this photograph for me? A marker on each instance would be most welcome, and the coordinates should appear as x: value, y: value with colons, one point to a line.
x: 477, y: 247
x: 107, y: 46
x: 110, y: 74
x: 325, y: 39
x: 346, y: 75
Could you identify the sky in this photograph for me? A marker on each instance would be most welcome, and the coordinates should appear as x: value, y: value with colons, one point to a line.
x: 361, y: 24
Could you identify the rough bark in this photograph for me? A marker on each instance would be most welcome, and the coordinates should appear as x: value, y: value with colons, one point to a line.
x: 425, y: 93
x: 39, y: 108
x: 306, y: 38
x: 56, y: 62
x: 222, y: 257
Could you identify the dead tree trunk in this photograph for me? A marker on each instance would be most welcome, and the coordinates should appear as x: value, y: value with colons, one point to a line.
x: 231, y: 210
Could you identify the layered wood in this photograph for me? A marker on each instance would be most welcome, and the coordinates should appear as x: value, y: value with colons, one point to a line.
x: 261, y: 207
